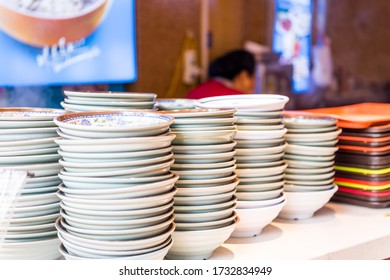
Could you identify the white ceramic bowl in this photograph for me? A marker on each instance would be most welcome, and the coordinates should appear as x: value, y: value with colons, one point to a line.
x: 249, y: 204
x: 198, y: 244
x: 260, y: 134
x: 259, y: 172
x: 253, y: 220
x: 206, y: 207
x: 203, y: 225
x: 303, y: 205
x: 202, y: 137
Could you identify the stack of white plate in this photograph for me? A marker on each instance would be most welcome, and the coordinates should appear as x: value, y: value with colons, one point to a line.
x: 259, y: 157
x: 27, y: 143
x: 76, y: 101
x: 310, y: 157
x: 117, y: 191
x: 205, y: 201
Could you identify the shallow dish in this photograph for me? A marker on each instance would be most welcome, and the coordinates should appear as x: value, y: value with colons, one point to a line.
x: 204, y: 199
x: 200, y: 217
x: 118, y: 204
x: 245, y: 102
x: 295, y: 120
x: 204, y: 225
x: 116, y: 144
x: 205, y: 173
x: 29, y: 114
x: 206, y: 207
x: 260, y: 135
x: 261, y: 151
x: 114, y: 215
x: 203, y: 149
x: 110, y: 95
x: 113, y: 122
x: 207, y: 190
x: 202, y: 137
x: 259, y: 195
x: 310, y: 150
x: 174, y: 103
x: 259, y: 172
x: 258, y: 187
x: 204, y: 158
x: 136, y: 244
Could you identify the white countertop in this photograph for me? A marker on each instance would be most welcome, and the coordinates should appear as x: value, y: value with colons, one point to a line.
x: 337, y: 231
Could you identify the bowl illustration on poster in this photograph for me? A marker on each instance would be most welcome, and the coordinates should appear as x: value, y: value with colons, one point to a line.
x: 45, y: 22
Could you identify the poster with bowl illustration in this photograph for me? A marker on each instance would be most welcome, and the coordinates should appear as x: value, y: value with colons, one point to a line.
x: 46, y: 42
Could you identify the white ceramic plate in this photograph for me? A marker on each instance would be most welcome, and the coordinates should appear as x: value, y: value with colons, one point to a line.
x: 203, y: 149
x: 259, y: 114
x: 111, y: 95
x: 312, y: 137
x: 259, y: 172
x: 245, y: 102
x: 207, y: 190
x: 248, y: 204
x: 309, y: 158
x: 257, y: 121
x: 204, y: 158
x: 309, y: 177
x: 205, y: 173
x: 174, y: 103
x: 204, y: 137
x: 204, y: 199
x: 201, y: 166
x: 306, y: 170
x: 38, y: 170
x: 310, y: 164
x: 263, y: 179
x: 29, y: 114
x: 204, y: 120
x: 260, y: 157
x: 113, y: 122
x: 304, y: 121
x: 259, y: 195
x: 310, y: 183
x: 261, y: 151
x: 123, y: 215
x: 132, y: 162
x: 199, y: 112
x: 118, y: 204
x: 310, y: 150
x: 246, y: 164
x: 261, y: 186
x: 312, y: 130
x: 112, y: 103
x: 44, y: 151
x: 41, y: 143
x: 213, y: 224
x: 115, y: 144
x: 142, y: 171
x: 116, y: 156
x: 259, y: 127
x: 44, y: 158
x: 260, y: 135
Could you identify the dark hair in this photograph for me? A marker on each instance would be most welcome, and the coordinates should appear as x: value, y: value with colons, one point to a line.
x: 231, y: 64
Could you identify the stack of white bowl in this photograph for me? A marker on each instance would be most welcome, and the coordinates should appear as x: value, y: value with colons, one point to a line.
x: 259, y: 157
x: 205, y: 202
x: 77, y: 101
x: 117, y: 191
x: 310, y: 157
x: 27, y: 143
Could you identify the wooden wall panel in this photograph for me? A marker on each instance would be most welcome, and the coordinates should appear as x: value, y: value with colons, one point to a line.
x: 161, y: 29
x: 359, y: 31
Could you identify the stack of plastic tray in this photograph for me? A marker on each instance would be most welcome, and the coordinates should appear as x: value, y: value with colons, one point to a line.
x: 362, y: 162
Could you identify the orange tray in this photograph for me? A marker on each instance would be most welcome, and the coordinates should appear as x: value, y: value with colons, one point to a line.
x: 362, y: 115
x: 364, y: 139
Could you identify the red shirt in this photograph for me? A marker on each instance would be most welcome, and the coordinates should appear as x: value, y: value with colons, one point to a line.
x: 211, y: 88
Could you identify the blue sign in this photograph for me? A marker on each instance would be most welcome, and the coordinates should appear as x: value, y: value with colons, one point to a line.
x: 292, y: 38
x: 105, y: 56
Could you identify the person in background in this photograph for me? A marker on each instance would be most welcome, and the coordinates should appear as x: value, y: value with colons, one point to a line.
x: 233, y: 73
